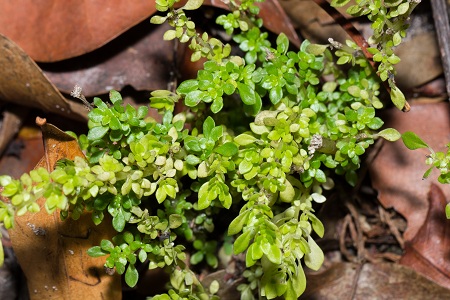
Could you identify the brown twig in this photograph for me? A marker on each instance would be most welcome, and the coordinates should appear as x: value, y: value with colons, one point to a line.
x: 441, y: 23
x: 356, y: 36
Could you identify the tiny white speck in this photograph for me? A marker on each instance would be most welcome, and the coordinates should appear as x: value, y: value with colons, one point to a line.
x: 35, y: 291
x: 71, y: 252
x: 27, y: 84
x: 57, y: 106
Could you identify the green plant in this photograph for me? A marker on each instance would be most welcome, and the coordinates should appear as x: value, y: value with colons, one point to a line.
x: 283, y: 134
x: 436, y: 160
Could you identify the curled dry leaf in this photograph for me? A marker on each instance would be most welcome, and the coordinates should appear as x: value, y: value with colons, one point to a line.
x: 22, y: 82
x: 371, y: 282
x: 397, y: 172
x: 427, y: 252
x: 53, y: 253
x: 56, y: 30
x: 138, y: 58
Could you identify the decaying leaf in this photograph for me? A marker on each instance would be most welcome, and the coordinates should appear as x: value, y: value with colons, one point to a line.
x: 420, y: 60
x: 138, y: 58
x: 371, y: 282
x: 51, y: 252
x: 427, y: 252
x: 55, y: 30
x: 397, y: 172
x: 22, y: 82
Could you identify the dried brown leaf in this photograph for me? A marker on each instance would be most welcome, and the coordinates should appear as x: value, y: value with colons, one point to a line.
x: 22, y: 82
x: 139, y: 58
x: 51, y: 252
x: 371, y: 282
x: 57, y: 30
x: 428, y: 251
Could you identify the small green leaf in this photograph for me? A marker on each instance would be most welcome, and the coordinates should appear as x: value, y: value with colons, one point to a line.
x: 288, y: 194
x: 203, y: 201
x: 197, y: 257
x: 403, y: 8
x: 187, y: 86
x: 241, y: 243
x: 315, y: 257
x: 274, y: 254
x: 216, y: 133
x: 106, y: 245
x: 275, y: 94
x: 354, y: 90
x: 244, y: 139
x: 192, y: 4
x: 175, y: 221
x: 428, y: 173
x: 282, y: 43
x: 131, y: 276
x: 237, y: 224
x: 412, y: 141
x: 169, y: 35
x: 97, y: 133
x: 115, y: 96
x: 208, y: 126
x: 227, y: 149
x: 192, y: 160
x: 118, y: 221
x: 96, y: 251
x: 247, y: 94
x: 390, y: 134
x: 398, y: 98
x: 193, y: 98
x: 214, y: 287
x: 157, y: 20
x: 316, y: 49
x: 447, y: 210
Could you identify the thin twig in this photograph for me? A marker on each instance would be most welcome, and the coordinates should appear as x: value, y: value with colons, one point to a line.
x: 441, y: 23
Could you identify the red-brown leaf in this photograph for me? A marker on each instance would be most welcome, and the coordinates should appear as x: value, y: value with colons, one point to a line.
x: 55, y: 30
x: 428, y: 251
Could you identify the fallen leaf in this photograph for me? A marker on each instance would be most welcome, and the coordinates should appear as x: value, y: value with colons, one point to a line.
x: 55, y: 30
x: 420, y: 60
x: 313, y: 22
x: 397, y: 172
x: 371, y: 282
x: 139, y: 58
x: 53, y: 253
x: 22, y: 82
x: 427, y: 252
